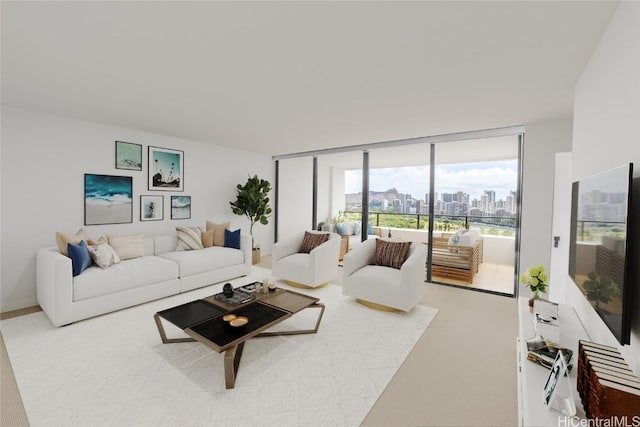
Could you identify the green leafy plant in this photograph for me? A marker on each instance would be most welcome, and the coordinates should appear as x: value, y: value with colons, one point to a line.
x: 252, y: 201
x: 535, y: 279
x: 600, y: 289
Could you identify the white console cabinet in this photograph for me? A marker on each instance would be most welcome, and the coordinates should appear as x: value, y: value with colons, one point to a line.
x: 531, y: 377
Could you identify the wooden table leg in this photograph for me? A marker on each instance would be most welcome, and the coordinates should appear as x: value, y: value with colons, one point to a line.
x: 231, y: 363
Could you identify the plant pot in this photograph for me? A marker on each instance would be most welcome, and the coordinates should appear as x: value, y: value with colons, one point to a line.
x: 255, y: 256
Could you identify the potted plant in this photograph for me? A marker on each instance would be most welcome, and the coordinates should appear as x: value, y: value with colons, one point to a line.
x: 252, y: 201
x: 536, y: 280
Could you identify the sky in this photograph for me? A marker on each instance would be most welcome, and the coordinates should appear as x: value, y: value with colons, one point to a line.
x: 471, y: 178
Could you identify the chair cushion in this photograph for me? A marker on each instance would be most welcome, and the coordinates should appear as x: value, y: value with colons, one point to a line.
x: 311, y: 241
x: 391, y: 254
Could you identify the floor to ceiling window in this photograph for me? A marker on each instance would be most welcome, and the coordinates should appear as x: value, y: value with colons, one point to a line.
x: 475, y: 210
x: 465, y: 192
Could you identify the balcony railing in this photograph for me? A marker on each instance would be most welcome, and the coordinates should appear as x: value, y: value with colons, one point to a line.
x: 497, y: 225
x: 594, y: 230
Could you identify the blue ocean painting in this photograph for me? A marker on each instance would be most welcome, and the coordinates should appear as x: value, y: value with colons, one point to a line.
x: 180, y: 207
x: 107, y: 189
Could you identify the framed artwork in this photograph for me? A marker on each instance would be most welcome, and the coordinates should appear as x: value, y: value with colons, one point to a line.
x: 128, y: 156
x: 108, y: 199
x: 151, y: 208
x: 180, y: 207
x: 166, y: 169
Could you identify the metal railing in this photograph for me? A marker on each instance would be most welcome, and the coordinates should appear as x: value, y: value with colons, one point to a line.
x: 442, y: 222
x: 594, y: 230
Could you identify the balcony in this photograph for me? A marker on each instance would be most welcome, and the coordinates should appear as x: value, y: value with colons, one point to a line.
x: 496, y: 266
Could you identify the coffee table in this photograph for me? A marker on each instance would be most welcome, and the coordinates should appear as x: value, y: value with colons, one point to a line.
x: 202, y: 321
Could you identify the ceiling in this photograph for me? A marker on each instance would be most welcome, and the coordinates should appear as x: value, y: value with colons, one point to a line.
x: 286, y: 77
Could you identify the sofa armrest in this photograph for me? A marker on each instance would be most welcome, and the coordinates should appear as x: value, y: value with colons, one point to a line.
x: 54, y: 285
x: 358, y: 257
x: 246, y: 247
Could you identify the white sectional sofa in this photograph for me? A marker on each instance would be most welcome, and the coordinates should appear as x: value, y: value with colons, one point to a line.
x: 161, y: 272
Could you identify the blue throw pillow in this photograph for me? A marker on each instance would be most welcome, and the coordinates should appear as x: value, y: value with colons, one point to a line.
x: 370, y: 228
x: 80, y: 257
x: 342, y: 229
x: 232, y: 239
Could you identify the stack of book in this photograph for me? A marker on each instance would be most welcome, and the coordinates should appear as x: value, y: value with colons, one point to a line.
x: 607, y: 386
x: 544, y: 352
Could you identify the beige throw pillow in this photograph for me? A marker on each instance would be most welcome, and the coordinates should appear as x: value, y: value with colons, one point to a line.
x: 189, y: 238
x: 127, y: 246
x: 218, y: 231
x: 62, y: 239
x: 207, y: 238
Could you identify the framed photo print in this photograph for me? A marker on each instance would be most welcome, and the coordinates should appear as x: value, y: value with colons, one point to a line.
x: 166, y: 169
x: 128, y: 156
x: 180, y: 207
x: 557, y: 389
x: 151, y: 208
x: 108, y: 199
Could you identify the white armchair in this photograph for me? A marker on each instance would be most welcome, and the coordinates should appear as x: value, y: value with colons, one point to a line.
x: 314, y: 269
x: 400, y: 289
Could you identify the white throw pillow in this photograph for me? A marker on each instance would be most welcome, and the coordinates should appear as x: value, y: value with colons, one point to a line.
x: 103, y: 255
x: 455, y: 237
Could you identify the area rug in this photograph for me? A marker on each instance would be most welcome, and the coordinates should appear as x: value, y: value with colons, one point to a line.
x: 114, y: 370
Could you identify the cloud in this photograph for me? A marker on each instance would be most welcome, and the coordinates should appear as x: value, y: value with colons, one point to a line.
x: 472, y: 178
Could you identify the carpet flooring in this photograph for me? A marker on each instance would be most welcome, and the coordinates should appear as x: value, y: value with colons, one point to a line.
x: 114, y: 370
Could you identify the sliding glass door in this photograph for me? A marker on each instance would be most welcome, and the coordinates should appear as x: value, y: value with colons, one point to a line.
x: 458, y: 197
x: 475, y: 210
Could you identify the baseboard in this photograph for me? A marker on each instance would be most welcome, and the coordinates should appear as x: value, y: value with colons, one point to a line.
x: 19, y: 312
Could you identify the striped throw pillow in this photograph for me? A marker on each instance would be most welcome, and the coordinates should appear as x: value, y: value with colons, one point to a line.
x: 311, y: 241
x: 189, y: 238
x: 391, y: 254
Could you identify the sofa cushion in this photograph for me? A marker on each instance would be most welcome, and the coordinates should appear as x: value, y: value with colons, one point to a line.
x: 232, y: 239
x: 218, y: 231
x: 103, y: 255
x: 310, y: 241
x: 130, y: 274
x: 391, y: 254
x: 189, y: 238
x: 207, y: 238
x: 207, y: 259
x: 127, y: 246
x: 80, y: 258
x: 62, y: 239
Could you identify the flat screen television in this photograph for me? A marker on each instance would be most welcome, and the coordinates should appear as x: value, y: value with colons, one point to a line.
x: 600, y: 248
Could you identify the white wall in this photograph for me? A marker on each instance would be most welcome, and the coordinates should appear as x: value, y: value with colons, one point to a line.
x: 44, y: 159
x: 542, y: 142
x: 295, y: 196
x: 606, y: 134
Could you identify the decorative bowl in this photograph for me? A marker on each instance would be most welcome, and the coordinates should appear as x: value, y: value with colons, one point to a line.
x: 239, y: 322
x: 229, y: 317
